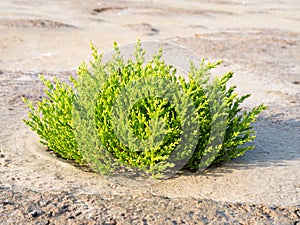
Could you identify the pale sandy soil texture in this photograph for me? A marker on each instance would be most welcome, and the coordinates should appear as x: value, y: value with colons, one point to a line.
x: 258, y: 40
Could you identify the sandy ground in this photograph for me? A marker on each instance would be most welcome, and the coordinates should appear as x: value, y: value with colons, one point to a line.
x: 258, y: 40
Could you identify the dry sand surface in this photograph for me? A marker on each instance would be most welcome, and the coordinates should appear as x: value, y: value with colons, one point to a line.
x: 259, y: 40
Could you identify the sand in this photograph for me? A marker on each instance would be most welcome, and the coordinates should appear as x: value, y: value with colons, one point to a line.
x: 258, y: 40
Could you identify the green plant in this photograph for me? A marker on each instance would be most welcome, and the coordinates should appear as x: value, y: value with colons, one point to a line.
x: 52, y: 119
x: 140, y: 114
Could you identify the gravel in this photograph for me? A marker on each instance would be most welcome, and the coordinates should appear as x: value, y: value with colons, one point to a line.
x: 31, y: 207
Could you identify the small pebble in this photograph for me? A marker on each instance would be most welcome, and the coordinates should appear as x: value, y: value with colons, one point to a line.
x: 35, y: 213
x: 113, y: 222
x: 298, y: 212
x: 6, y: 202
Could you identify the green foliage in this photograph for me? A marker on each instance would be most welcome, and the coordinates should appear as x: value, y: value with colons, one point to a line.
x: 52, y: 119
x: 123, y: 113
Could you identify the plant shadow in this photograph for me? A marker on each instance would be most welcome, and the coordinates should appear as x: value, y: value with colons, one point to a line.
x: 276, y: 144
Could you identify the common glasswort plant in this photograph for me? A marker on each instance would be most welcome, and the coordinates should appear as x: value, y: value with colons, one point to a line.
x: 143, y: 115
